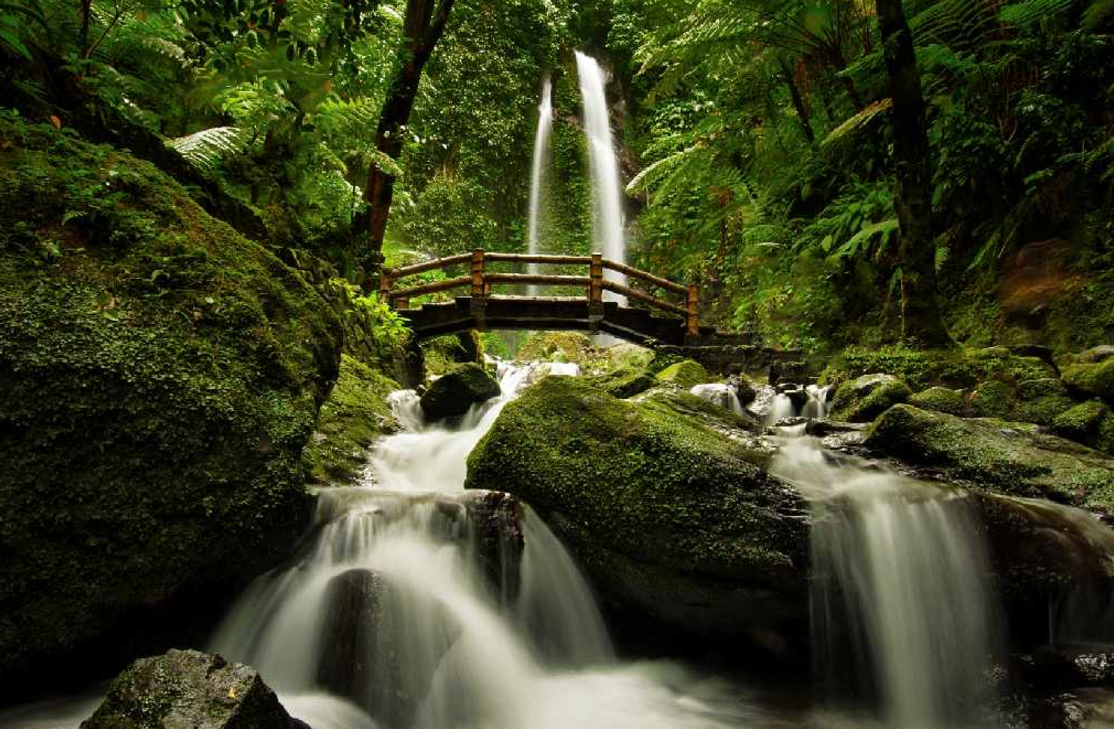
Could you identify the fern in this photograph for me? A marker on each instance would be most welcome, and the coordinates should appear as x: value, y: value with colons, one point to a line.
x: 206, y: 149
x: 859, y: 120
x: 1032, y: 11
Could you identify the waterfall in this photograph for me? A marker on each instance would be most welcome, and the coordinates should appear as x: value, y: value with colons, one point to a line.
x: 899, y: 593
x: 608, y: 234
x: 537, y: 174
x: 397, y: 615
x: 722, y: 394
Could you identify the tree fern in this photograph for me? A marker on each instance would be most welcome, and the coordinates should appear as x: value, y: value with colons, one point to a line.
x: 207, y: 148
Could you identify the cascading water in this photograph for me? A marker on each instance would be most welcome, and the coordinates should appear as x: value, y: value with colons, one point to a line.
x: 722, y: 394
x: 608, y: 231
x: 537, y: 174
x: 899, y: 591
x: 394, y: 606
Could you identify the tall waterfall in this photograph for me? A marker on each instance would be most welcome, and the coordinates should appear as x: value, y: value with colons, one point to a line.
x: 899, y: 591
x: 608, y: 231
x: 537, y: 172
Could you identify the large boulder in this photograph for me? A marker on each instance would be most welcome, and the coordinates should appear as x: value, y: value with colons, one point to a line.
x: 160, y: 376
x: 1011, y: 458
x: 665, y: 500
x: 1094, y: 379
x: 187, y: 688
x: 461, y: 387
x: 863, y: 398
x: 685, y: 374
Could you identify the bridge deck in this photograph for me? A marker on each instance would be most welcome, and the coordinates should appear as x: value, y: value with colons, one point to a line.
x: 555, y: 313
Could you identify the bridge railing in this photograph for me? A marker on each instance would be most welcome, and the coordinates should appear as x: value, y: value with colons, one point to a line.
x: 480, y: 281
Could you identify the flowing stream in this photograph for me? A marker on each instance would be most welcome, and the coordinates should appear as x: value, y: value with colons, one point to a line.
x: 394, y: 615
x: 537, y: 174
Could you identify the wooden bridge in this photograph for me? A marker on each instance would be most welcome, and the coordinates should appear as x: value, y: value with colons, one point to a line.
x: 670, y: 315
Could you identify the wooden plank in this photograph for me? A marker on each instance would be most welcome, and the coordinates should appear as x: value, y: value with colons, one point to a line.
x: 431, y: 288
x: 539, y: 258
x: 537, y: 278
x: 644, y: 298
x: 424, y: 266
x: 644, y: 276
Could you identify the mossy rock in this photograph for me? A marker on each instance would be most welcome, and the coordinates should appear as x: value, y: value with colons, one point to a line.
x: 441, y: 354
x: 624, y: 382
x: 953, y: 368
x: 1093, y: 379
x: 160, y: 376
x: 187, y: 688
x: 665, y: 500
x: 1011, y: 458
x: 992, y: 399
x: 355, y: 415
x: 684, y: 374
x: 940, y: 399
x: 862, y: 399
x: 555, y: 347
x: 452, y: 394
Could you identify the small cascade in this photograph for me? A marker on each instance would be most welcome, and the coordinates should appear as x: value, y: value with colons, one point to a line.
x: 776, y: 404
x: 537, y: 174
x: 899, y: 595
x: 608, y: 227
x: 720, y: 393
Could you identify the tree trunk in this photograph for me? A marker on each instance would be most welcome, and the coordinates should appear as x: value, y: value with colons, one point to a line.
x: 798, y: 101
x: 920, y: 312
x: 422, y: 28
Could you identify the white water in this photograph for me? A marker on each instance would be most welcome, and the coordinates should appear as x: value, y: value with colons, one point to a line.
x: 537, y: 174
x: 899, y: 591
x: 722, y: 394
x: 441, y: 634
x: 608, y: 227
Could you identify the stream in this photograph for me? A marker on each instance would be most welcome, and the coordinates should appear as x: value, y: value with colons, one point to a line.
x: 407, y: 607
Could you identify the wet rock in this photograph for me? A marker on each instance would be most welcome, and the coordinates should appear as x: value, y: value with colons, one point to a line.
x: 685, y: 374
x: 452, y: 394
x: 864, y: 398
x: 187, y: 688
x: 1012, y: 458
x: 371, y: 653
x: 666, y: 502
x: 496, y: 522
x: 744, y: 390
x: 1071, y: 666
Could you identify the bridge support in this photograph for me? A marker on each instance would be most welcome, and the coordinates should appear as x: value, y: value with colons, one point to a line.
x: 478, y: 305
x: 595, y: 293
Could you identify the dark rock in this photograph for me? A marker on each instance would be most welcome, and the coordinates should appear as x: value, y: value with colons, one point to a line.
x: 1038, y: 351
x: 452, y: 394
x: 744, y: 390
x: 666, y: 502
x: 496, y: 521
x: 372, y: 652
x: 187, y: 688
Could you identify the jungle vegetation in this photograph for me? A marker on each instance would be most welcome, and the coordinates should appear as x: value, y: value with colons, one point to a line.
x: 832, y: 172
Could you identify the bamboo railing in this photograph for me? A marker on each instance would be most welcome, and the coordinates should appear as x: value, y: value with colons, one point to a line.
x: 480, y: 281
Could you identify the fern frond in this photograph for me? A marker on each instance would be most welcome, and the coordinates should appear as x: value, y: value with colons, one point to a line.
x: 1028, y: 12
x: 206, y: 149
x: 859, y: 120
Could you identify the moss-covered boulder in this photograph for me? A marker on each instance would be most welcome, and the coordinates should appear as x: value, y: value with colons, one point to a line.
x: 463, y: 386
x: 1010, y: 458
x: 940, y: 399
x: 665, y: 500
x: 355, y: 415
x: 684, y: 374
x: 862, y: 399
x: 1094, y: 379
x: 624, y: 382
x: 160, y: 376
x: 186, y: 688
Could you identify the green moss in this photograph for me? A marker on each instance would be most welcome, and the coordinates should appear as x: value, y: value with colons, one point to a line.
x: 160, y: 377
x: 864, y: 398
x: 351, y: 420
x: 555, y: 347
x: 1081, y: 421
x: 624, y: 382
x: 940, y: 399
x: 1001, y: 456
x: 685, y: 374
x: 441, y: 354
x: 653, y: 479
x: 992, y: 399
x: 1095, y: 379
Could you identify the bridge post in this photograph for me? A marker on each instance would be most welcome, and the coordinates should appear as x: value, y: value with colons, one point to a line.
x: 595, y: 292
x: 385, y: 287
x: 692, y: 309
x: 478, y: 305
